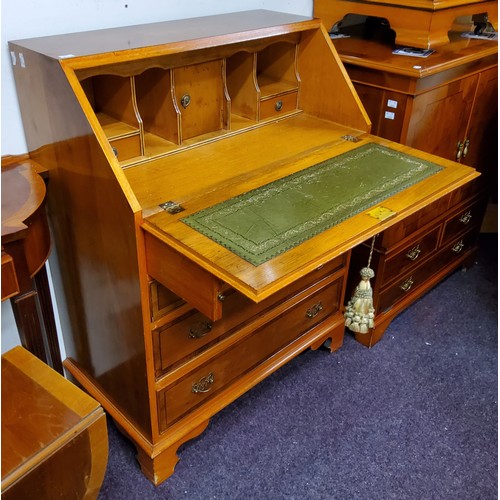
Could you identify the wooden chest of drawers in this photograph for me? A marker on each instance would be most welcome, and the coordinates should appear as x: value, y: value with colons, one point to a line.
x: 414, y: 255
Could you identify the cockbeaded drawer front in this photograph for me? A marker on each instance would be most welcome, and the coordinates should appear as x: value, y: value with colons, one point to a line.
x: 193, y: 332
x: 412, y: 254
x: 278, y: 105
x: 447, y: 257
x: 205, y: 381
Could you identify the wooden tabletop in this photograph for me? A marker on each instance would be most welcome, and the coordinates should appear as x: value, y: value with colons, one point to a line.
x: 40, y: 411
x: 23, y: 192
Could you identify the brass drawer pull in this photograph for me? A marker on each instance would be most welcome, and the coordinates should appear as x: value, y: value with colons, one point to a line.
x: 204, y: 384
x: 458, y: 247
x: 406, y: 285
x: 314, y: 310
x: 414, y: 253
x: 279, y: 105
x: 200, y: 329
x: 465, y: 218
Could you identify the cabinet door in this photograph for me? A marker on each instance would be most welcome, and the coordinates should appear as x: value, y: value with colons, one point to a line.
x: 386, y: 109
x: 482, y: 133
x: 440, y: 117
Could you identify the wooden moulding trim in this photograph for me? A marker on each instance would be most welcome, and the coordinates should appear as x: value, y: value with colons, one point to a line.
x: 83, y: 62
x: 85, y: 380
x: 10, y: 159
x: 51, y: 448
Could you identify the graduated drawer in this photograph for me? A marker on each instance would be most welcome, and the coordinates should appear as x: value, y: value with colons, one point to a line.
x: 258, y: 345
x: 464, y: 219
x: 411, y: 281
x: 126, y: 147
x: 193, y: 332
x: 410, y: 255
x: 278, y: 105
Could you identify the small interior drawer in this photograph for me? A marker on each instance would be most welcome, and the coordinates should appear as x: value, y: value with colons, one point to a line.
x: 278, y: 105
x: 193, y: 332
x: 126, y: 148
x: 411, y: 255
x: 208, y: 379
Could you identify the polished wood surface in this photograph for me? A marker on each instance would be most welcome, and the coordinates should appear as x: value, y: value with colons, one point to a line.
x: 453, y: 92
x: 54, y: 436
x: 417, y: 23
x: 25, y: 249
x: 134, y: 274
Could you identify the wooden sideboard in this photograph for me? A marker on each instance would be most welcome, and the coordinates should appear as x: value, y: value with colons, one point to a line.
x: 54, y: 436
x: 152, y: 124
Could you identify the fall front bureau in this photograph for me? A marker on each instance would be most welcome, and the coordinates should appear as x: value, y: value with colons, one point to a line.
x: 153, y: 125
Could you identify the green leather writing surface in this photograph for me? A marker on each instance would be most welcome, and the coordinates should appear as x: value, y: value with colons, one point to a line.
x: 267, y: 221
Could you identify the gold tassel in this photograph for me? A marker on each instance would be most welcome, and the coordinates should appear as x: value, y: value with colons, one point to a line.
x: 360, y: 313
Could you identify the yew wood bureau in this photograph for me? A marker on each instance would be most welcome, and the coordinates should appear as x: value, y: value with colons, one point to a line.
x: 194, y: 169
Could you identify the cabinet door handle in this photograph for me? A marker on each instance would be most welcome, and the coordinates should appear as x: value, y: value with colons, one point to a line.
x: 204, y: 384
x: 407, y: 284
x: 200, y: 329
x: 459, y: 150
x: 458, y: 247
x: 414, y: 253
x: 466, y: 148
x: 314, y: 310
x: 465, y: 218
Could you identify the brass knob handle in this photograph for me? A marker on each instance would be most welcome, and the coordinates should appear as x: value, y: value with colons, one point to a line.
x: 458, y: 247
x: 414, y: 253
x: 185, y: 100
x: 465, y: 218
x: 279, y: 105
x: 407, y: 284
x: 314, y: 310
x: 204, y: 384
x: 200, y: 329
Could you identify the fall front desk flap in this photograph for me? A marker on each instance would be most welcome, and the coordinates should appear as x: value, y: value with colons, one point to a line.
x: 276, y: 217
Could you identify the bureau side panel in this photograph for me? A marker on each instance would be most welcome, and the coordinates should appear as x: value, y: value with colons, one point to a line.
x: 95, y: 234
